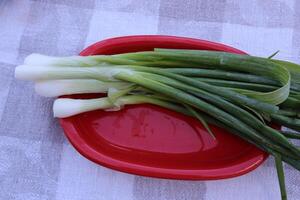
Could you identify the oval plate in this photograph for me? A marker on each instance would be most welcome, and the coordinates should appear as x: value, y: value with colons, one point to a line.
x: 152, y: 141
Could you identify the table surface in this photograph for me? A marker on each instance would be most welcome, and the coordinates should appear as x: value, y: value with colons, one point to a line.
x: 36, y: 160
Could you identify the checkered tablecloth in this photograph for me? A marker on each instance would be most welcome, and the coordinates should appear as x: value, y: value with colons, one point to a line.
x: 38, y: 163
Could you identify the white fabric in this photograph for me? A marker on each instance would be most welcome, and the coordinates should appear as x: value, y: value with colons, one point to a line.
x: 36, y: 161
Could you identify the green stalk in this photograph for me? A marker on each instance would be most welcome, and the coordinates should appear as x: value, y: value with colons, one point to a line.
x: 221, y: 74
x: 201, y: 119
x: 245, y: 116
x: 291, y: 135
x: 288, y: 113
x: 280, y: 174
x: 295, y: 86
x: 227, y: 61
x: 296, y: 96
x: 289, y: 122
x: 273, y: 54
x: 257, y: 114
x: 237, y: 84
x: 228, y: 94
x: 290, y: 103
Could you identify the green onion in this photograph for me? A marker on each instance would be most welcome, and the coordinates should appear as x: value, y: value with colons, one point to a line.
x: 55, y: 88
x: 235, y: 92
x: 38, y: 73
x: 66, y: 107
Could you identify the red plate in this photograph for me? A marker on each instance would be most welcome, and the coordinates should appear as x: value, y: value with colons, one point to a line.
x: 152, y: 141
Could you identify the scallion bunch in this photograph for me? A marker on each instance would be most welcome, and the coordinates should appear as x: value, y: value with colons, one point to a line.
x: 241, y: 93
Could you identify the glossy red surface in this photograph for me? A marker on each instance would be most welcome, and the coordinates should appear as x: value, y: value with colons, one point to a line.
x: 152, y: 141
